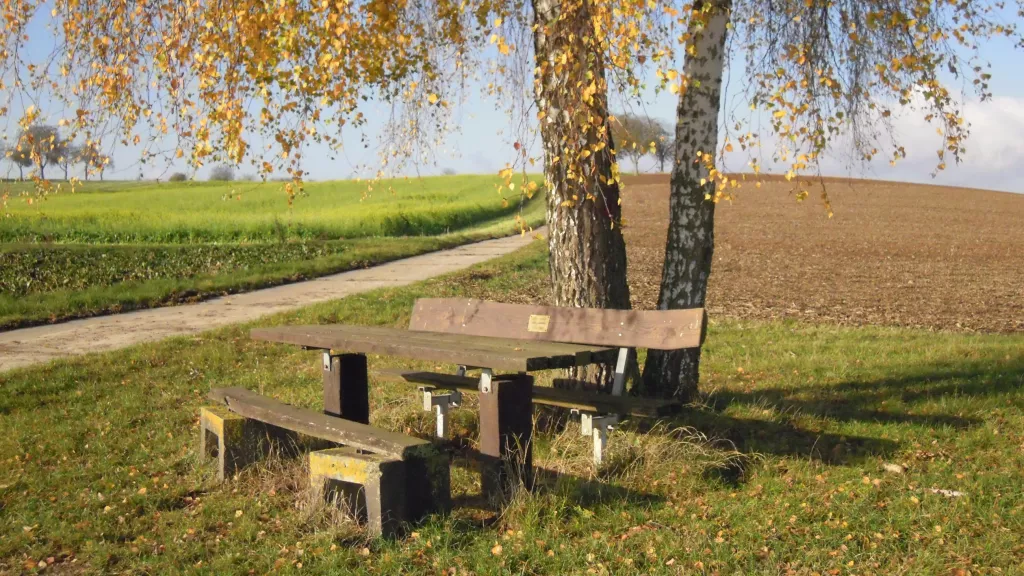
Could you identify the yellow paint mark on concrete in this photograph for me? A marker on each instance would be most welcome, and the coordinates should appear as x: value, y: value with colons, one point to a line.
x: 345, y: 464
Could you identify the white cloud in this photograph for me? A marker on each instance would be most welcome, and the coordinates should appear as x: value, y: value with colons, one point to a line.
x: 994, y: 156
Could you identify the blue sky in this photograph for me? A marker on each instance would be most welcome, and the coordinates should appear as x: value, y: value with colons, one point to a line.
x: 483, y: 144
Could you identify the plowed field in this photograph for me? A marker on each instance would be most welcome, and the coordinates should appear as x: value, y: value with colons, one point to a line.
x: 894, y: 254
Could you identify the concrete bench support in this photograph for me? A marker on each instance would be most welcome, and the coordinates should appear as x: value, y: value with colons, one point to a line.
x: 234, y: 441
x: 372, y: 487
x: 345, y: 451
x: 237, y: 442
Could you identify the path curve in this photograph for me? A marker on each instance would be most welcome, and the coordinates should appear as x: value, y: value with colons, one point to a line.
x: 39, y: 344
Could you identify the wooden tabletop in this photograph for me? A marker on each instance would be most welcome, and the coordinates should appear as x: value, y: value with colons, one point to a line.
x: 496, y: 353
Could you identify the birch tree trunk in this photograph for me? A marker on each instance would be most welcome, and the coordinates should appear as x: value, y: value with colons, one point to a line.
x: 688, y: 250
x: 587, y: 252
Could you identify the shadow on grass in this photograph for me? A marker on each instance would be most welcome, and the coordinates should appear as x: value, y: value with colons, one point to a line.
x: 579, y: 491
x: 751, y: 436
x: 858, y: 401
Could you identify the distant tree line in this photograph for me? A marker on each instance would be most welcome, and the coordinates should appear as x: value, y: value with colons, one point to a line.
x: 41, y: 145
x: 638, y: 136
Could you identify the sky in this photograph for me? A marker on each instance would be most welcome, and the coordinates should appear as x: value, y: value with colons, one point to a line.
x: 482, y: 145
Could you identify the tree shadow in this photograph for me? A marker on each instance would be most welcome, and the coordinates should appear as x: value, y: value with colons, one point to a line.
x: 860, y: 400
x: 855, y: 400
x: 750, y: 436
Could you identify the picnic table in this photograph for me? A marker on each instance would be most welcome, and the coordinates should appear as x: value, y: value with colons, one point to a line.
x: 512, y: 338
x: 506, y: 402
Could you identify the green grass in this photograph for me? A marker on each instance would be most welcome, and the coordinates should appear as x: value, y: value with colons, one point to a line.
x: 176, y: 243
x: 781, y: 472
x: 251, y: 211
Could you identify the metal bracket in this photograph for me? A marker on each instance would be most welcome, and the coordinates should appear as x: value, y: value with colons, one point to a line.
x: 598, y: 428
x: 440, y: 403
x: 486, y: 375
x: 619, y: 382
x: 461, y: 371
x: 327, y: 360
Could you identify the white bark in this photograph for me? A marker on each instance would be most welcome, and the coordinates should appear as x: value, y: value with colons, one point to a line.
x: 690, y: 242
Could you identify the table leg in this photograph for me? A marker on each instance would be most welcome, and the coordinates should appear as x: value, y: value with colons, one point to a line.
x: 346, y: 387
x: 506, y: 431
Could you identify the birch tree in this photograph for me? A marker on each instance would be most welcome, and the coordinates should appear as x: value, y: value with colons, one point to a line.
x: 823, y: 73
x: 221, y: 79
x: 255, y: 81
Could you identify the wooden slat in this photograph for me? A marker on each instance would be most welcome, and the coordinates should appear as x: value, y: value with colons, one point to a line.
x: 496, y: 353
x: 658, y: 329
x: 362, y: 436
x: 581, y: 400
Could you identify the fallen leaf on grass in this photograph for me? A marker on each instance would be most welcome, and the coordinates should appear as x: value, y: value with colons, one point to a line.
x: 948, y: 493
x: 893, y: 468
x: 496, y: 550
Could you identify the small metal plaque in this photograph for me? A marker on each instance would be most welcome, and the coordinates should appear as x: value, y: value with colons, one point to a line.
x: 538, y: 323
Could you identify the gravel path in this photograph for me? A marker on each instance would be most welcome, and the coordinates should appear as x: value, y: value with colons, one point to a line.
x: 40, y: 344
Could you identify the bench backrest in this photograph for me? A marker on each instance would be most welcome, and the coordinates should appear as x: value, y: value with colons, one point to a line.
x: 658, y: 329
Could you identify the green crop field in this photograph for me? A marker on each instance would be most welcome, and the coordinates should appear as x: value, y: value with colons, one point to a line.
x: 117, y: 246
x: 253, y: 211
x: 814, y: 450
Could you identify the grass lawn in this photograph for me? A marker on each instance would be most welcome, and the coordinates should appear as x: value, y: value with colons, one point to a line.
x: 779, y: 470
x: 122, y: 246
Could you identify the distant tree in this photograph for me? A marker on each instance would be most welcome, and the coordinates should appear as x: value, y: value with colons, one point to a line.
x: 43, y: 146
x: 665, y: 149
x: 247, y: 177
x: 92, y: 158
x: 178, y: 177
x: 104, y: 162
x: 20, y: 157
x: 222, y: 173
x: 448, y: 172
x: 67, y: 156
x: 633, y: 136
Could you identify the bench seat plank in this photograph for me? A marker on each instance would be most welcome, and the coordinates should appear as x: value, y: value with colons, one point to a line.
x: 496, y: 353
x: 361, y: 436
x: 581, y: 400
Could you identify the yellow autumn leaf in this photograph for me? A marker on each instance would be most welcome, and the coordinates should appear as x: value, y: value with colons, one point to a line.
x: 432, y: 98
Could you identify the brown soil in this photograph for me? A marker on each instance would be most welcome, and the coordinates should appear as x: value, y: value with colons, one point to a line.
x: 894, y: 254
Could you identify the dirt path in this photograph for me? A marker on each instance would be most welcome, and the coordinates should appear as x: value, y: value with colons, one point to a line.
x: 44, y: 343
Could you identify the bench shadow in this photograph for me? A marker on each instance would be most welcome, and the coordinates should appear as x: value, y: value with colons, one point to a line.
x: 583, y: 492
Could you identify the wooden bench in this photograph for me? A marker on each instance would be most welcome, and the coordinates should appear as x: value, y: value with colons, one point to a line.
x: 385, y: 477
x: 552, y: 327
